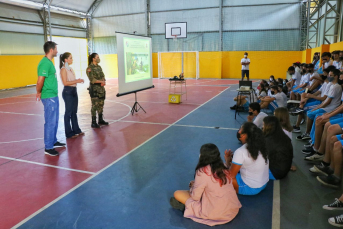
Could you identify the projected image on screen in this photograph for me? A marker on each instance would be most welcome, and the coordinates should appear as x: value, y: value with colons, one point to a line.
x: 137, y: 59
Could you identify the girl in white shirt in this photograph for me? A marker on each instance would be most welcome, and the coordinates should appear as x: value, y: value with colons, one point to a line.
x: 249, y: 168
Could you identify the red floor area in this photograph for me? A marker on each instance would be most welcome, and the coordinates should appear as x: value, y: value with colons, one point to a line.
x: 28, y: 187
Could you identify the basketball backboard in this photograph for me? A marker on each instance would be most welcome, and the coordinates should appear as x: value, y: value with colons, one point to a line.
x: 176, y: 29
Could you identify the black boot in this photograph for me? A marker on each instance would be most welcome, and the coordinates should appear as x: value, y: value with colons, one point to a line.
x: 94, y: 124
x: 101, y: 120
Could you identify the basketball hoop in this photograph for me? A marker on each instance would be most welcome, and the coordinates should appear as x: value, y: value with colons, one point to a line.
x: 174, y: 38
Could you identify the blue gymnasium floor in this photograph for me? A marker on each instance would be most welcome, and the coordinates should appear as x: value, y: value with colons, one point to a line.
x: 135, y: 191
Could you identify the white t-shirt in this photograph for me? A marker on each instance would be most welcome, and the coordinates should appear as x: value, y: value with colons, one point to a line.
x: 297, y: 69
x: 280, y: 99
x: 259, y: 119
x: 289, y: 134
x: 270, y: 92
x: 335, y: 93
x: 337, y: 64
x: 245, y: 67
x: 327, y: 64
x: 305, y: 78
x: 254, y: 173
x: 322, y: 89
x: 297, y: 77
x: 311, y: 75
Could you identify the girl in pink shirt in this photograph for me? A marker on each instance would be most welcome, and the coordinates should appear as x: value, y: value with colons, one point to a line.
x: 211, y: 200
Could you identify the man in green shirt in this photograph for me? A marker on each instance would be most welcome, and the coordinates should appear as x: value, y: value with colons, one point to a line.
x: 47, y: 91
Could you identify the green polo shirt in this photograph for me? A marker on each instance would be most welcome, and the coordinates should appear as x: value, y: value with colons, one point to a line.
x: 47, y: 69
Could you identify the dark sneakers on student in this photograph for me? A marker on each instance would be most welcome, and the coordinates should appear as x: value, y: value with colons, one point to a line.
x: 315, y: 157
x: 59, y: 144
x: 296, y: 129
x: 176, y: 204
x: 337, y: 205
x: 331, y: 180
x: 321, y: 168
x: 51, y: 152
x: 309, y: 144
x: 336, y: 221
x: 304, y: 136
x: 297, y: 111
x: 233, y: 107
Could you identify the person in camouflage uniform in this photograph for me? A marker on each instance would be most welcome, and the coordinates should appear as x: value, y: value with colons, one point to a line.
x: 96, y: 89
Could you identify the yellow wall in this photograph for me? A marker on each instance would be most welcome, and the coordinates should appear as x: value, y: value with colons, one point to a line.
x: 263, y: 63
x: 155, y: 65
x: 189, y: 63
x: 18, y: 71
x: 109, y: 65
x: 210, y: 65
x: 336, y: 46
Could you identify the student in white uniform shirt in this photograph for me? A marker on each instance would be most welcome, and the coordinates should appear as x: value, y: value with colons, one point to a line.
x: 245, y: 62
x: 326, y: 60
x: 255, y: 111
x: 295, y: 80
x: 332, y: 101
x: 336, y: 60
x: 249, y: 168
x: 275, y: 101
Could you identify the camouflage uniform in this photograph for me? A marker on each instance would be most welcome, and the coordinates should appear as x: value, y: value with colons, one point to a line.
x: 94, y: 73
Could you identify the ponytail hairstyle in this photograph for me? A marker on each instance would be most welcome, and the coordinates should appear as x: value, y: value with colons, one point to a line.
x: 64, y: 56
x: 91, y: 57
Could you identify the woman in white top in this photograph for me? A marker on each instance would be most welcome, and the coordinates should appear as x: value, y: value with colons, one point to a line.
x: 70, y: 97
x: 249, y: 168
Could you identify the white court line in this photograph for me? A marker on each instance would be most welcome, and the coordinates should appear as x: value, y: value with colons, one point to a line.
x: 19, y: 113
x: 94, y: 175
x: 27, y: 140
x: 276, y: 205
x: 46, y: 165
x: 168, y: 124
x: 17, y: 102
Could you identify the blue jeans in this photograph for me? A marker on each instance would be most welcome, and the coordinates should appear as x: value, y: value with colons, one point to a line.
x: 51, y: 113
x: 71, y: 102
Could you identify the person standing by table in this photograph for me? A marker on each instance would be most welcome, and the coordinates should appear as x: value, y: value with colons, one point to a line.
x: 245, y: 62
x: 96, y: 89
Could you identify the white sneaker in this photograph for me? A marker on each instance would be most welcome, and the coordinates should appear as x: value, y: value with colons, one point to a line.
x: 315, y: 157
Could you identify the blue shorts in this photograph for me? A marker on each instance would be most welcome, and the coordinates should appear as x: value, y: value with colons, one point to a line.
x: 271, y: 176
x: 244, y: 189
x: 336, y: 119
x: 340, y: 139
x: 246, y: 106
x: 311, y: 105
x: 294, y: 86
x: 301, y: 91
x: 272, y: 106
x: 312, y: 114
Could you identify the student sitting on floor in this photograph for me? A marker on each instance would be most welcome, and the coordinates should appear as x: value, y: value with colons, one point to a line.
x: 255, y: 111
x: 336, y: 221
x: 279, y: 148
x: 332, y: 101
x: 241, y: 103
x: 212, y: 199
x: 262, y: 91
x: 249, y: 169
x: 278, y: 99
x: 282, y: 115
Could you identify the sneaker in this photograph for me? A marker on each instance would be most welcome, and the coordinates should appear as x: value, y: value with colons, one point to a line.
x: 315, y: 157
x: 176, y: 204
x: 309, y: 144
x: 331, y: 181
x: 304, y: 136
x: 233, y: 107
x: 296, y: 129
x: 59, y: 144
x: 336, y: 221
x: 302, y: 121
x: 309, y: 151
x: 51, y: 152
x: 298, y: 111
x: 337, y: 205
x: 321, y: 168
